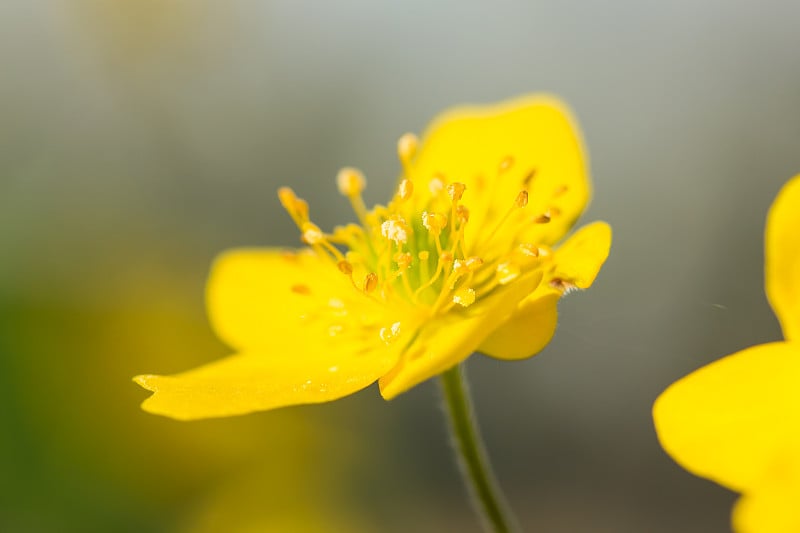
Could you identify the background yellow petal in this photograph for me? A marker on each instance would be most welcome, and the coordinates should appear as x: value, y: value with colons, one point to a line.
x: 255, y: 295
x: 449, y: 340
x: 579, y: 259
x: 244, y: 383
x: 729, y: 420
x: 783, y: 258
x: 530, y: 143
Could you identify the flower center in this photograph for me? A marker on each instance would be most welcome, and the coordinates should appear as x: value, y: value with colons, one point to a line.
x: 413, y: 253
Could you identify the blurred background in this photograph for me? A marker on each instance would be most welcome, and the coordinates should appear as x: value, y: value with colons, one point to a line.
x: 139, y: 138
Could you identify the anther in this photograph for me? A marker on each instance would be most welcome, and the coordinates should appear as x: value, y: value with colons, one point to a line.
x: 312, y: 234
x: 407, y: 148
x: 436, y: 185
x: 405, y: 189
x: 521, y: 199
x: 424, y: 255
x: 456, y: 191
x: 370, y: 282
x: 544, y: 218
x: 446, y: 257
x: 301, y: 289
x: 395, y: 229
x: 388, y: 334
x: 296, y: 207
x: 350, y: 182
x: 473, y: 263
x: 403, y: 260
x: 529, y: 177
x: 462, y: 214
x: 345, y: 267
x: 563, y: 285
x: 434, y: 222
x: 464, y: 297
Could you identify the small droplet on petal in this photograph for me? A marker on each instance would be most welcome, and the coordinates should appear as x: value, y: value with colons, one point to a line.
x: 506, y: 163
x: 389, y: 334
x: 464, y: 297
x: 507, y: 272
x: 350, y: 182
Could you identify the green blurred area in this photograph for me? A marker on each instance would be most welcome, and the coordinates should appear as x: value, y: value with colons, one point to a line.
x: 139, y: 138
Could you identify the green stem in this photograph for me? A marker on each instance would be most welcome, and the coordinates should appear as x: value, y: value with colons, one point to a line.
x: 475, y: 467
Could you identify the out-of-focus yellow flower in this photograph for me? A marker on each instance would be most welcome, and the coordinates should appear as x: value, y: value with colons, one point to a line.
x: 461, y: 259
x: 737, y: 420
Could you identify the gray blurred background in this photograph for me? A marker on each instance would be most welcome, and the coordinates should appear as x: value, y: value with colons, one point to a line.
x: 139, y: 138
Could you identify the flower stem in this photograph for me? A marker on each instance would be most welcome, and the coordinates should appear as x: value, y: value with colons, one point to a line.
x: 487, y: 498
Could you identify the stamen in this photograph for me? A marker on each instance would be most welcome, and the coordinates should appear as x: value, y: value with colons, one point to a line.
x: 529, y: 250
x: 407, y: 149
x: 436, y: 185
x: 301, y: 289
x: 434, y: 222
x: 296, y: 207
x: 464, y: 297
x: 370, y: 282
x: 350, y: 182
x: 529, y: 177
x: 560, y: 190
x: 544, y: 218
x: 405, y: 189
x: 345, y: 267
x: 395, y: 229
x: 456, y: 191
x: 389, y: 334
x: 563, y: 285
x: 506, y: 163
x: 522, y: 199
x: 312, y: 234
x: 462, y: 214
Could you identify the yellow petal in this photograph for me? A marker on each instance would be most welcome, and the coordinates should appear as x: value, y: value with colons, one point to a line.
x: 245, y: 383
x: 255, y: 295
x: 729, y: 420
x: 768, y: 509
x: 783, y: 258
x: 528, y: 331
x: 497, y: 150
x: 450, y: 339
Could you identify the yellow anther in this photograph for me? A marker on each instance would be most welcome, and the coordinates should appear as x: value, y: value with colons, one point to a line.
x: 403, y: 260
x: 446, y: 257
x: 529, y: 177
x: 460, y: 267
x: 405, y: 189
x: 563, y: 285
x: 522, y: 199
x: 434, y: 222
x: 507, y: 272
x: 474, y: 263
x: 554, y: 212
x: 544, y: 218
x: 464, y: 297
x: 370, y: 282
x: 455, y: 191
x: 312, y: 234
x: 424, y: 255
x: 350, y: 182
x: 561, y: 189
x: 436, y: 185
x: 345, y: 267
x: 506, y: 163
x: 395, y: 229
x: 301, y: 289
x: 462, y: 214
x: 296, y: 207
x: 528, y: 249
x: 407, y: 148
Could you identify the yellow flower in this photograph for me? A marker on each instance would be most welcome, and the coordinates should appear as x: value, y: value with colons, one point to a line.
x: 460, y: 260
x: 737, y: 420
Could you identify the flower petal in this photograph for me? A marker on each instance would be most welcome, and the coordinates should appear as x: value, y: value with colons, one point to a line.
x: 577, y: 263
x: 769, y: 509
x: 245, y: 383
x: 729, y: 420
x: 783, y: 258
x: 256, y: 294
x: 448, y: 340
x: 497, y: 150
